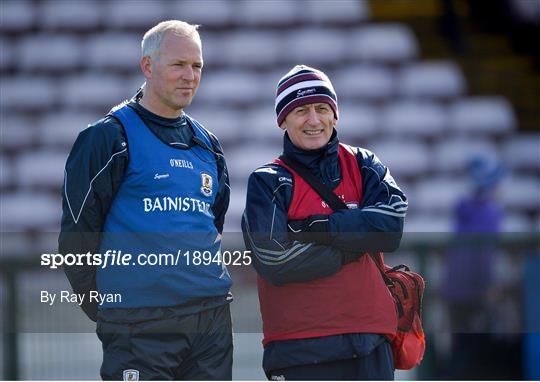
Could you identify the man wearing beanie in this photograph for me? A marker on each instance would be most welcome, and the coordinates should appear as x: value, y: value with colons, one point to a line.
x: 326, y: 310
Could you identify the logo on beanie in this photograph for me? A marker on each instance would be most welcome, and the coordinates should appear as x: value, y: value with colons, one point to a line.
x: 302, y: 93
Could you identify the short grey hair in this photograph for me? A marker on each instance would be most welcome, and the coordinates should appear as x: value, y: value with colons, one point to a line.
x: 151, y: 41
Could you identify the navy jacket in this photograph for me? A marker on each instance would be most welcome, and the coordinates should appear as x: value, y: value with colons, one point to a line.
x: 269, y: 194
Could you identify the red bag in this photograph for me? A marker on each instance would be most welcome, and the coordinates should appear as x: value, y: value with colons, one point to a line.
x: 407, y: 288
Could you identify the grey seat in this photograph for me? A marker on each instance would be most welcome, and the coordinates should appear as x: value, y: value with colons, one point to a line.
x: 61, y: 129
x: 304, y: 45
x: 23, y: 211
x: 439, y: 194
x: 452, y: 154
x: 18, y: 15
x: 482, y: 115
x: 23, y: 92
x: 209, y: 13
x: 357, y: 120
x: 522, y: 151
x: 405, y: 157
x: 140, y: 14
x: 266, y: 13
x: 431, y: 79
x: 340, y: 11
x: 114, y: 51
x: 414, y: 117
x: 366, y: 82
x: 17, y: 132
x: 49, y: 52
x: 41, y: 168
x: 66, y: 14
x: 383, y: 42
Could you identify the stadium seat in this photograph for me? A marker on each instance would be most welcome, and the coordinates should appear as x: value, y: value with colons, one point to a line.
x: 431, y: 79
x: 238, y: 203
x: 61, y: 129
x: 17, y: 132
x: 49, y: 52
x: 439, y: 194
x: 250, y: 49
x: 212, y: 43
x: 383, y: 42
x: 270, y: 12
x: 30, y: 210
x: 140, y: 14
x: 357, y: 120
x: 113, y: 51
x: 410, y: 117
x: 7, y: 58
x: 43, y: 168
x: 243, y: 160
x: 93, y: 90
x: 72, y: 15
x: 482, y: 115
x: 405, y: 157
x: 23, y: 92
x: 520, y: 193
x: 224, y: 123
x: 340, y: 11
x: 452, y: 154
x: 231, y: 86
x: 368, y: 82
x: 260, y: 124
x: 208, y: 13
x: 516, y: 222
x: 6, y: 175
x: 304, y: 45
x: 428, y: 223
x: 18, y: 15
x: 522, y: 151
x: 133, y: 84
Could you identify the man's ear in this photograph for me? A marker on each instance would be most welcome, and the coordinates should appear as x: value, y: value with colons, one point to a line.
x: 146, y: 66
x: 282, y: 126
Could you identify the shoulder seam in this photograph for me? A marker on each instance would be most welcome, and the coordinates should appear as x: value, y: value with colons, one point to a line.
x: 76, y: 219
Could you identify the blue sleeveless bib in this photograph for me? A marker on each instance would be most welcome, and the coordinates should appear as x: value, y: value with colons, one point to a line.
x: 163, y: 206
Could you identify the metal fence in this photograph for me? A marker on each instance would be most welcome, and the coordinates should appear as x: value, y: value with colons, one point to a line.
x: 44, y: 343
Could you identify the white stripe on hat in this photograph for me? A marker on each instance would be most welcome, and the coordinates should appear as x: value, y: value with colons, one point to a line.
x: 302, y: 85
x: 331, y: 100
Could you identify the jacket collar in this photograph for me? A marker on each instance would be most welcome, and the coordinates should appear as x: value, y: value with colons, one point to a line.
x: 313, y: 158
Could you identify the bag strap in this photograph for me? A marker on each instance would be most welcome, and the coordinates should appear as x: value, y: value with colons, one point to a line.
x: 329, y: 197
x: 385, y: 277
x: 320, y: 188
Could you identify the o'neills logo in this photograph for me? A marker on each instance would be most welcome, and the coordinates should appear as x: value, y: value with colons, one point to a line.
x: 166, y: 203
x: 181, y: 163
x: 302, y: 93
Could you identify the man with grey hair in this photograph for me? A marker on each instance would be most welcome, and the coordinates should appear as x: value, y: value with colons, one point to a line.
x: 148, y: 179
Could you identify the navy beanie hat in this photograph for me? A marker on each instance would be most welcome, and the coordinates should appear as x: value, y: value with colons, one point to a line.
x: 303, y: 85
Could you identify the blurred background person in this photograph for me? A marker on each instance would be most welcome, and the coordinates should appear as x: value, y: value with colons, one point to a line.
x: 469, y: 285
